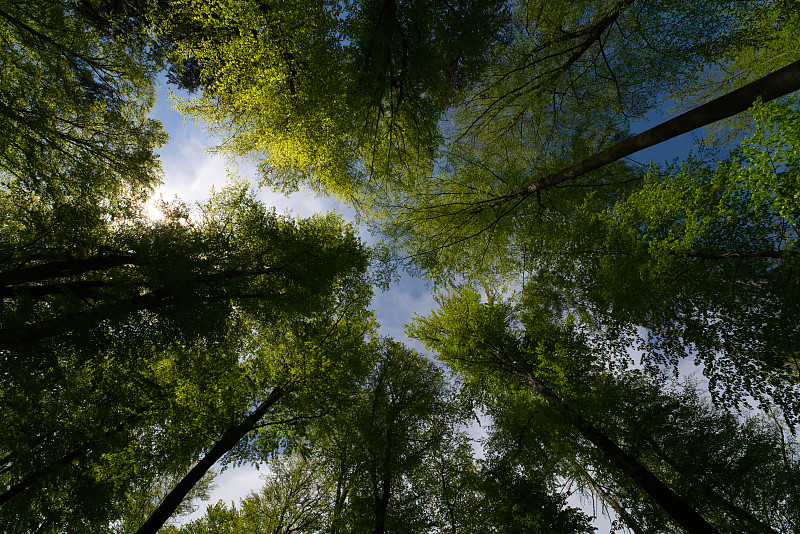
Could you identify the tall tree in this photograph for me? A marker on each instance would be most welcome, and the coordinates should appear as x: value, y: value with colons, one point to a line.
x: 692, y: 253
x: 393, y: 427
x: 393, y: 459
x: 582, y: 71
x: 85, y: 399
x: 538, y: 373
x: 520, y: 176
x: 351, y: 88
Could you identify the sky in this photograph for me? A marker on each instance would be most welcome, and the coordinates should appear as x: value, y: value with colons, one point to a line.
x: 190, y: 172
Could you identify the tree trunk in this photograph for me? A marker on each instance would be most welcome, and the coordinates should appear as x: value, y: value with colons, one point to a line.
x: 84, y: 320
x: 677, y: 508
x: 63, y: 268
x: 225, y: 444
x: 774, y: 85
x: 385, y: 494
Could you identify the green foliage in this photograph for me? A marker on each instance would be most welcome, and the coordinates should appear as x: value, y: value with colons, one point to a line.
x: 219, y: 519
x: 519, y: 502
x: 331, y: 93
x: 130, y: 347
x: 75, y: 104
x: 475, y: 339
x: 737, y: 472
x: 119, y: 372
x: 393, y: 459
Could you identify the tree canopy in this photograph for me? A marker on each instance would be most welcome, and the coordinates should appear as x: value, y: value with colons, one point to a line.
x: 491, y: 144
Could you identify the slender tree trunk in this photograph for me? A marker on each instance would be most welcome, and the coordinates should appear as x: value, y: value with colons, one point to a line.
x: 34, y: 477
x: 78, y: 288
x: 63, y: 268
x: 774, y: 85
x: 677, y: 508
x: 229, y: 440
x: 85, y: 320
x: 338, y: 505
x: 384, y: 496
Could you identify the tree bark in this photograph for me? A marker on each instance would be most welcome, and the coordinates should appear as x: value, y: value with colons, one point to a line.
x: 63, y: 268
x: 228, y: 440
x: 775, y: 85
x: 677, y: 508
x: 384, y: 490
x: 83, y: 320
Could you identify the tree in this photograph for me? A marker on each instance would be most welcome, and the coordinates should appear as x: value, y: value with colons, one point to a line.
x: 525, y: 66
x: 240, y: 253
x: 740, y: 470
x: 693, y: 253
x: 520, y: 176
x: 521, y: 502
x: 363, y: 456
x: 393, y: 459
x: 331, y: 92
x: 394, y: 426
x: 542, y: 382
x: 303, y: 367
x: 76, y: 96
x: 96, y: 401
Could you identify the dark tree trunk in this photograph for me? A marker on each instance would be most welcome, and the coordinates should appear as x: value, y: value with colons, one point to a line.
x: 225, y: 444
x: 677, y: 508
x: 775, y: 85
x: 63, y: 268
x: 157, y: 298
x: 382, y: 500
x: 384, y: 491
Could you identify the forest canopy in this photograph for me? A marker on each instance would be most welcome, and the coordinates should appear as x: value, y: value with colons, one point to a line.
x: 492, y: 146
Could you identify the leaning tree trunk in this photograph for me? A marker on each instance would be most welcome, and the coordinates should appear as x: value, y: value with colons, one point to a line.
x: 676, y: 507
x: 229, y: 440
x: 774, y: 85
x: 65, y: 268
